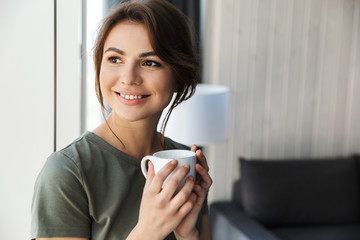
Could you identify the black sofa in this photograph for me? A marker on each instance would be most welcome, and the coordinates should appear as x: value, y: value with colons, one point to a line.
x: 308, y: 199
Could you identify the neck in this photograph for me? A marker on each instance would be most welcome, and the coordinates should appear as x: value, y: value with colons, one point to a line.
x: 136, y: 139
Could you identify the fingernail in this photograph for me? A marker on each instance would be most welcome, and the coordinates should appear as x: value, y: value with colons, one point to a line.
x: 173, y: 162
x: 187, y: 166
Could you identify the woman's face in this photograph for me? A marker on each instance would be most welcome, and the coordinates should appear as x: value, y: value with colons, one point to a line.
x: 134, y: 81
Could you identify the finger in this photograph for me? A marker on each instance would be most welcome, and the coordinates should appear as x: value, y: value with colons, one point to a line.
x: 193, y: 197
x: 162, y: 174
x: 183, y: 195
x: 174, y: 181
x: 206, y: 180
x: 188, y: 205
x: 199, y: 191
x: 193, y: 148
x: 195, y: 203
x: 202, y: 159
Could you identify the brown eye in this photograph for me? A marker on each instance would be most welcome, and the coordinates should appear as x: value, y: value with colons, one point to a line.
x: 150, y: 63
x: 114, y: 60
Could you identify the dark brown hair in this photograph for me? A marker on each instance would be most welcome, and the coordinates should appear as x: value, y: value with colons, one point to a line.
x: 170, y: 36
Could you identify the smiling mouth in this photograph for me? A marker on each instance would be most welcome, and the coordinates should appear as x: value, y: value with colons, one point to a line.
x: 132, y: 97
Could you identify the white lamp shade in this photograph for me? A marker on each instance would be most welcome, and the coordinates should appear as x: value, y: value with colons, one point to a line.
x: 202, y: 119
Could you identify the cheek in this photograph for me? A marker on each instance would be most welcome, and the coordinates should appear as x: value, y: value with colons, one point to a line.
x: 174, y: 82
x: 105, y: 79
x: 170, y: 88
x: 105, y: 87
x: 168, y: 84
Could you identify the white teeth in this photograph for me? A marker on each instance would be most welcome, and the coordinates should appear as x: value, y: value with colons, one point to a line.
x: 131, y: 97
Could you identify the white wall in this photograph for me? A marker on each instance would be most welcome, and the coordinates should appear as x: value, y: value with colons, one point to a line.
x: 27, y: 103
x: 294, y: 71
x: 26, y: 99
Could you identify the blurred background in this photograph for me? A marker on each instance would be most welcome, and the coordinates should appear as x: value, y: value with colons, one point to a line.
x: 293, y: 68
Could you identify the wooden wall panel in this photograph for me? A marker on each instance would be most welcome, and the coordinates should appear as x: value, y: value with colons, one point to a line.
x: 293, y: 68
x: 352, y: 134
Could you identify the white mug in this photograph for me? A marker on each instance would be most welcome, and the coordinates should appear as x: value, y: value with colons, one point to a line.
x: 159, y: 159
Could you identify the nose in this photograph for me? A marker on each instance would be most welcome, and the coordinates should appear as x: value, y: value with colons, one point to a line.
x: 130, y: 75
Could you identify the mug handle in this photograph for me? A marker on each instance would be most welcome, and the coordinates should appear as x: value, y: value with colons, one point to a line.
x: 144, y: 161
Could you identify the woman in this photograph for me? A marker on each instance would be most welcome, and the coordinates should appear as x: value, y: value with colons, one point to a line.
x: 94, y: 188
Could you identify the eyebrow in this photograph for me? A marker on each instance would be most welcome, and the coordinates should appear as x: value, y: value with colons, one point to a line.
x: 121, y: 52
x: 115, y: 50
x: 147, y: 54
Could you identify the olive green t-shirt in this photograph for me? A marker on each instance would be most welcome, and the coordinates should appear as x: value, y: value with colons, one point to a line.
x: 90, y: 189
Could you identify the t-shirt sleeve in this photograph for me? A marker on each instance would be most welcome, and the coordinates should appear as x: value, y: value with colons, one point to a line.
x: 60, y: 207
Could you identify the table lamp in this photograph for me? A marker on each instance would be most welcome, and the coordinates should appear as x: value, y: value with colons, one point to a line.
x: 202, y: 119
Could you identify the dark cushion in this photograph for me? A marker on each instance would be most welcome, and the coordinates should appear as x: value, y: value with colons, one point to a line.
x: 247, y: 227
x: 292, y: 192
x: 337, y: 232
x: 236, y: 193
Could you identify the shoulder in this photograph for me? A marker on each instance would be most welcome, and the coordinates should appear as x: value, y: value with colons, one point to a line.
x: 79, y: 152
x: 59, y: 169
x: 61, y: 176
x: 67, y: 161
x: 81, y: 146
x: 171, y: 144
x: 59, y: 203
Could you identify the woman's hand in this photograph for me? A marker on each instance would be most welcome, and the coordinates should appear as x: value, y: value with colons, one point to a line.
x: 160, y: 211
x: 186, y: 229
